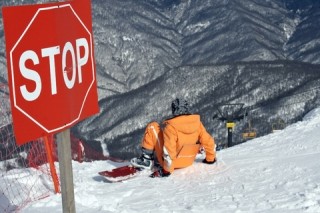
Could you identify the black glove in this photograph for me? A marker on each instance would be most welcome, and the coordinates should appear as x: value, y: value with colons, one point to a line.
x: 160, y: 173
x: 208, y: 162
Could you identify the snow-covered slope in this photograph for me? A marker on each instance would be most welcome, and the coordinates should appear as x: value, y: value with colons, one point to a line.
x: 279, y: 172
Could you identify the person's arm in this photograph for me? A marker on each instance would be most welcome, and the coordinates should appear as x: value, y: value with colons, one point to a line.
x: 208, y: 144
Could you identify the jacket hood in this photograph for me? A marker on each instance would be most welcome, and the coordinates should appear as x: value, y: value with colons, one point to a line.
x: 185, y: 123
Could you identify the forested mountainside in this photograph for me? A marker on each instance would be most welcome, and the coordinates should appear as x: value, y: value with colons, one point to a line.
x: 264, y: 54
x: 269, y: 92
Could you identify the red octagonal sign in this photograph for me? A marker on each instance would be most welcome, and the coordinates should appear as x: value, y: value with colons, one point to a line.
x: 51, y: 67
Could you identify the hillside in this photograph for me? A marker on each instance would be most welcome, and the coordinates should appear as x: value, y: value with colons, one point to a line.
x: 138, y: 41
x: 275, y: 173
x: 264, y: 54
x: 287, y: 90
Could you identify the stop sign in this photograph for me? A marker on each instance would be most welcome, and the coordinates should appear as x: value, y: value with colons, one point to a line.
x: 51, y: 67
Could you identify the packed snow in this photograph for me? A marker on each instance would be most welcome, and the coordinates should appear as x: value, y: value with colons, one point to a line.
x: 279, y: 172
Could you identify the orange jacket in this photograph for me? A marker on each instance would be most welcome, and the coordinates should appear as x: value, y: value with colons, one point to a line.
x: 182, y: 134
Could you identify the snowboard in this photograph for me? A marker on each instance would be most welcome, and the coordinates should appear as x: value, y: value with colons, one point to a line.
x: 120, y: 174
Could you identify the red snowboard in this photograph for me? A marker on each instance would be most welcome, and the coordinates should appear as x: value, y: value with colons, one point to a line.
x: 120, y: 173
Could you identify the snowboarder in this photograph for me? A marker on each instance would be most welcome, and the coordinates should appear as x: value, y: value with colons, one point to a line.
x: 177, y: 145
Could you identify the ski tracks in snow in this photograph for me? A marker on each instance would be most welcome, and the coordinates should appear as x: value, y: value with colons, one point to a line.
x: 273, y: 182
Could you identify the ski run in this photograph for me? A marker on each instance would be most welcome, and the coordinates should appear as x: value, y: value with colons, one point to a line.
x: 279, y: 172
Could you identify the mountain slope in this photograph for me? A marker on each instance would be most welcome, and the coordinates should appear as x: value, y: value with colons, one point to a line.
x: 138, y: 41
x: 276, y: 173
x: 287, y: 90
x: 227, y: 31
x: 304, y: 42
x: 212, y: 52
